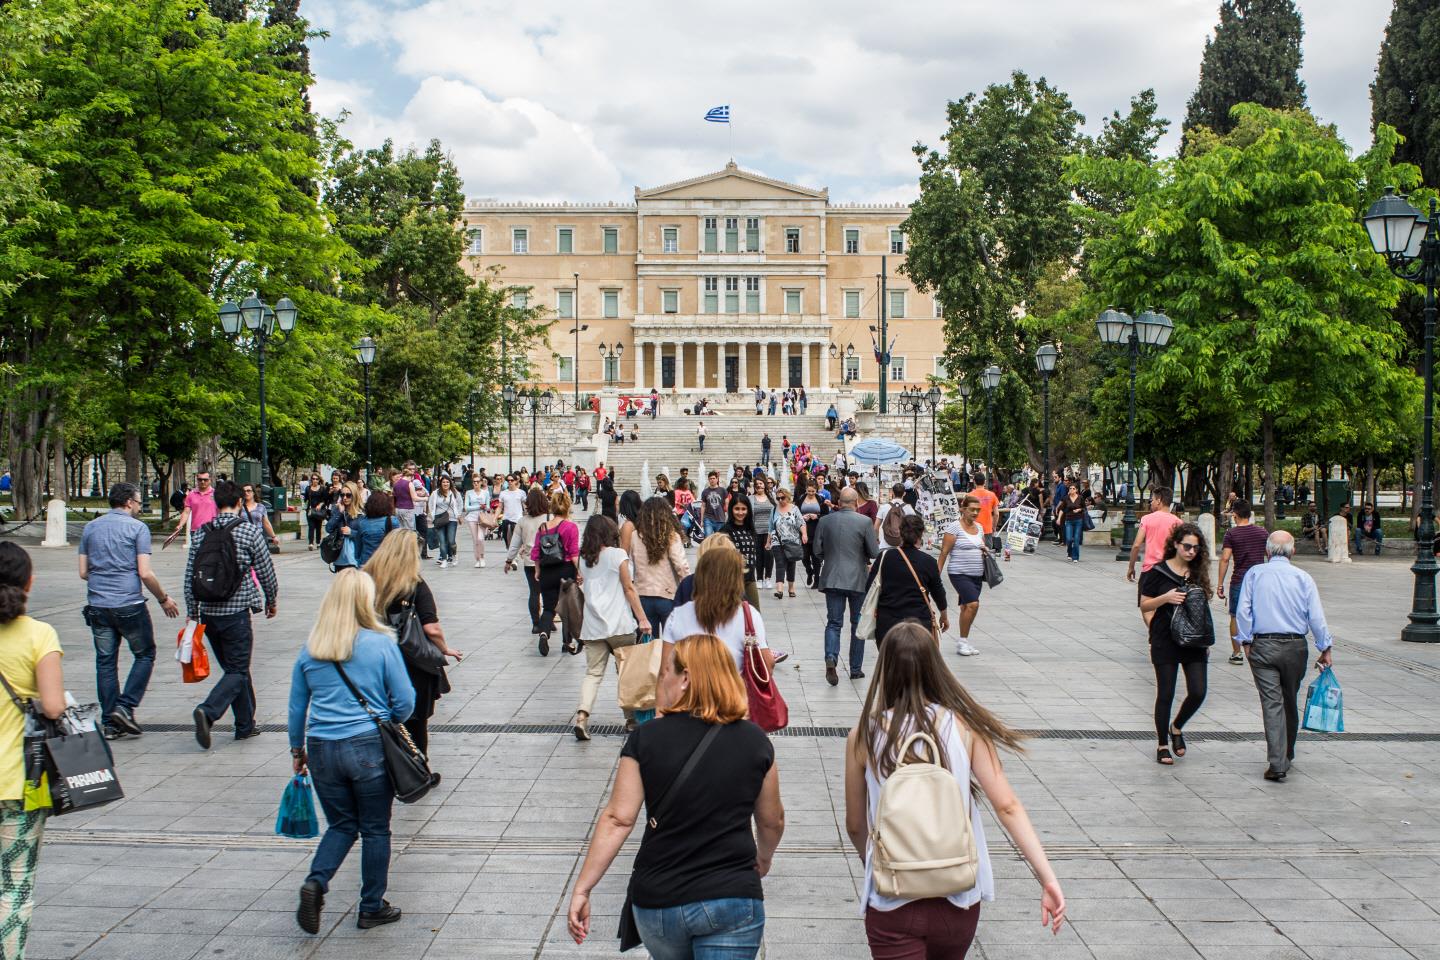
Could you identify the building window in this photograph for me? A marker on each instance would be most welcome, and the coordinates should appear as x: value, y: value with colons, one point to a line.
x: 565, y: 369
x: 712, y: 294
x: 792, y: 239
x: 565, y: 240
x: 897, y: 369
x: 940, y: 372
x: 671, y: 239
x: 670, y: 301
x: 852, y: 240
x: 519, y: 240
x: 752, y: 234
x: 612, y: 239
x: 897, y: 242
x: 476, y: 238
x: 565, y: 304
x: 520, y: 299
x: 752, y: 294
x: 732, y: 234
x: 612, y: 369
x: 897, y: 303
x: 732, y: 294
x: 852, y: 304
x: 852, y: 369
x: 792, y: 301
x: 612, y: 303
x: 712, y: 243
x: 939, y: 309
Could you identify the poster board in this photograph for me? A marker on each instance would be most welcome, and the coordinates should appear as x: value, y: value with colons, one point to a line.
x: 937, y: 504
x: 1022, y: 530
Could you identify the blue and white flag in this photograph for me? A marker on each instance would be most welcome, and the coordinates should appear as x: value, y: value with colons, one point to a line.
x: 719, y: 114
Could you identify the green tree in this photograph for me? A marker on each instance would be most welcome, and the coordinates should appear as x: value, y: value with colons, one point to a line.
x: 1254, y: 57
x: 1282, y: 311
x: 1405, y: 93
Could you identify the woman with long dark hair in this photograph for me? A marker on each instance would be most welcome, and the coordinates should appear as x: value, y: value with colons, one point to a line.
x: 605, y: 493
x: 612, y: 614
x: 658, y: 552
x: 762, y: 508
x: 914, y: 692
x: 812, y: 508
x: 1162, y: 588
x: 627, y: 513
x: 740, y: 528
x: 910, y: 583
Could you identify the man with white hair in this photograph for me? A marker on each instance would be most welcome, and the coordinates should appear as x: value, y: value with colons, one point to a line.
x: 1278, y: 604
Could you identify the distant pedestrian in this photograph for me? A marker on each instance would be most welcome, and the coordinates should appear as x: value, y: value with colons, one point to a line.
x: 700, y: 435
x: 253, y: 509
x: 657, y: 551
x: 1185, y: 562
x: 318, y: 498
x: 333, y: 737
x: 1368, y: 526
x: 1071, y: 514
x: 962, y: 557
x: 788, y: 535
x: 444, y: 508
x: 343, y: 512
x: 556, y: 549
x: 802, y: 400
x: 719, y: 607
x: 30, y: 662
x: 914, y: 692
x: 608, y: 497
x: 366, y: 532
x: 762, y: 506
x: 478, y: 517
x: 512, y: 507
x: 765, y: 449
x: 739, y: 526
x: 115, y: 563
x: 228, y: 630
x: 536, y: 509
x: 1278, y: 604
x: 712, y: 504
x: 845, y: 544
x: 200, y: 506
x: 1244, y: 546
x: 773, y: 401
x: 832, y: 417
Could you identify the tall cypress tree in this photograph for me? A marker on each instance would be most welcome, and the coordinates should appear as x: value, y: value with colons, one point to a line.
x: 1254, y: 57
x: 1406, y: 91
x: 231, y: 11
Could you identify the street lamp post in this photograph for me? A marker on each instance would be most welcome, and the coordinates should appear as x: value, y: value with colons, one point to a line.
x: 849, y: 352
x: 1410, y: 243
x: 935, y: 395
x: 964, y: 389
x: 261, y: 321
x: 911, y: 400
x: 365, y: 354
x: 507, y: 393
x: 575, y: 366
x: 1148, y: 332
x: 990, y: 379
x: 609, y: 355
x: 1045, y: 359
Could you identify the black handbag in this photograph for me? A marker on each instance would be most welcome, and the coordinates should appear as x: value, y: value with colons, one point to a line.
x: 993, y: 576
x: 332, y: 545
x: 1191, y: 624
x: 415, y: 646
x: 67, y: 767
x: 408, y: 768
x: 629, y: 933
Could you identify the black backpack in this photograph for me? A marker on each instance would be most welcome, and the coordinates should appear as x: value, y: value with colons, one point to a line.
x: 552, y: 548
x: 216, y: 574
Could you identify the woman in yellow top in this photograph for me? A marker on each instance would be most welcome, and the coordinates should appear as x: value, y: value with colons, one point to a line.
x: 30, y: 662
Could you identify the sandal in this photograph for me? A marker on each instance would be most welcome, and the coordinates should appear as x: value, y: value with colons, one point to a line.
x: 792, y: 593
x: 1162, y: 756
x: 779, y: 594
x: 1177, y: 740
x: 1237, y: 658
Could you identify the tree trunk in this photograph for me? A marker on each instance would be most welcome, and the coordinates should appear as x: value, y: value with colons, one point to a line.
x: 25, y: 422
x: 1225, y: 479
x: 132, y: 456
x: 1267, y: 428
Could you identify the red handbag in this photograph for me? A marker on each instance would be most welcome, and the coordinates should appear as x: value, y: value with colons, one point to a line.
x: 767, y: 708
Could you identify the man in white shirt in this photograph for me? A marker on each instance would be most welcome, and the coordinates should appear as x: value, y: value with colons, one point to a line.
x: 512, y: 505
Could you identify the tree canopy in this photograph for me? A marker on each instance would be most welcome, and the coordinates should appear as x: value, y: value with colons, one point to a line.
x: 1254, y: 57
x: 1406, y: 91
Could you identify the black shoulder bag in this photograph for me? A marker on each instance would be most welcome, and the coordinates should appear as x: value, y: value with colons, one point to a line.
x: 628, y: 933
x: 417, y: 648
x: 408, y: 769
x: 1191, y: 624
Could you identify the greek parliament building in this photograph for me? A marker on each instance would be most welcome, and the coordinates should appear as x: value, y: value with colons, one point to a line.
x: 717, y: 283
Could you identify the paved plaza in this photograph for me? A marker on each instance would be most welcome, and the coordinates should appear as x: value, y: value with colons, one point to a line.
x: 1200, y: 860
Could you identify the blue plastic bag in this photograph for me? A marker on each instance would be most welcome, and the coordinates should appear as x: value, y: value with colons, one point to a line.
x: 1325, y: 705
x: 296, y: 818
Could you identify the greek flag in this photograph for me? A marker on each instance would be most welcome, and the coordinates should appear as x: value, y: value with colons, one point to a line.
x: 719, y: 114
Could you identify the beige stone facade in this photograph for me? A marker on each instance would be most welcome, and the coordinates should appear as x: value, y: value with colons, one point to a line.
x: 712, y: 285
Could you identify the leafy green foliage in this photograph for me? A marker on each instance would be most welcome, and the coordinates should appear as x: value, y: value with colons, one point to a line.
x: 1254, y: 57
x: 1406, y: 91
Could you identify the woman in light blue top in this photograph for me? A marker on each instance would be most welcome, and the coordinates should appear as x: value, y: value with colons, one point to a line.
x: 336, y: 737
x: 914, y: 692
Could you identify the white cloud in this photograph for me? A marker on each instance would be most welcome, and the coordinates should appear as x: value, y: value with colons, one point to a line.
x: 547, y: 99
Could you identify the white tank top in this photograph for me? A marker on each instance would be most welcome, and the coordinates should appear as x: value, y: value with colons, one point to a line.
x: 959, y: 760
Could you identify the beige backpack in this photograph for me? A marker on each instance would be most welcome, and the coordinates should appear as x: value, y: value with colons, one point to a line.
x: 924, y: 843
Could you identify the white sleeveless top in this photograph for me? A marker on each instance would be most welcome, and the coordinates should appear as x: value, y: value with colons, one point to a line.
x: 607, y: 611
x: 959, y: 760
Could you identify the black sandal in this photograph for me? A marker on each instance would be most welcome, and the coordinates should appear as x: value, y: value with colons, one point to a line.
x: 1162, y: 756
x: 1177, y: 740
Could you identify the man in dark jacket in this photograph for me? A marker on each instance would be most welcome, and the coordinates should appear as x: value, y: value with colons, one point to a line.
x: 844, y: 544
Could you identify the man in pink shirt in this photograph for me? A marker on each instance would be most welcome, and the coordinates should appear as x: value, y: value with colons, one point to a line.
x: 199, y: 504
x: 1155, y: 529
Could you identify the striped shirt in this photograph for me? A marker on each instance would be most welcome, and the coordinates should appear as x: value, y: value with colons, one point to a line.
x: 253, y: 554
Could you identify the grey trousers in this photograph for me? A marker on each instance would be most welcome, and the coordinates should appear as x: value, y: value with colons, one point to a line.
x: 1279, y: 668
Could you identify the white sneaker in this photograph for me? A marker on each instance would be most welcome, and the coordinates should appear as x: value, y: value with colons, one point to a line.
x: 481, y: 563
x: 439, y: 561
x: 964, y: 649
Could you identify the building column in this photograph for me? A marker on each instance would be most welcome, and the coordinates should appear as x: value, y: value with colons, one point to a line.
x: 805, y: 364
x: 700, y: 365
x: 765, y: 364
x: 824, y: 367
x: 679, y: 364
x: 745, y: 383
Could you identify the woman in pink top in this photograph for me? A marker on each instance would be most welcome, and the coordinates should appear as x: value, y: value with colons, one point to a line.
x: 556, y: 568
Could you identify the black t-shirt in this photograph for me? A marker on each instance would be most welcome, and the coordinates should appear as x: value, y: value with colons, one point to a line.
x: 748, y: 544
x: 705, y: 849
x: 424, y: 605
x: 1156, y: 581
x: 713, y: 499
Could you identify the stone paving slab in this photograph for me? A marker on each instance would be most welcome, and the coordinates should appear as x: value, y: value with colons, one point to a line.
x: 1202, y: 860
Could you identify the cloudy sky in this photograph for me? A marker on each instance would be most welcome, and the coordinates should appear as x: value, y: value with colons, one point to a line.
x: 580, y: 100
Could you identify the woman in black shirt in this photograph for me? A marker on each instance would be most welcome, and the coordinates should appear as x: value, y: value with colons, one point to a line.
x: 698, y: 871
x: 740, y: 527
x: 1162, y: 589
x: 903, y: 593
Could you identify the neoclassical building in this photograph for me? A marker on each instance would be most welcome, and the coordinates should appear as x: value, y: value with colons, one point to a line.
x: 713, y: 284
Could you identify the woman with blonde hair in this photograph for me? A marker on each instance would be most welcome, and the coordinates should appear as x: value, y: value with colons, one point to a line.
x: 478, y: 516
x: 719, y: 607
x: 343, y: 511
x: 335, y: 737
x: 695, y: 888
x: 915, y: 692
x: 557, y: 547
x: 399, y: 588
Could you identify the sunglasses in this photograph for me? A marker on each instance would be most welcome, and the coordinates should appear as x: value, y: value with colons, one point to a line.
x: 1188, y: 546
x: 347, y: 496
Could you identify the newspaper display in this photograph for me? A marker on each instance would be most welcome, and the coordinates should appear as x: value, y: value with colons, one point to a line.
x: 1022, y: 530
x: 937, y: 504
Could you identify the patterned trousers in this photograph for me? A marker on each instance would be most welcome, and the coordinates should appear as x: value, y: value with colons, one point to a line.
x: 20, y: 834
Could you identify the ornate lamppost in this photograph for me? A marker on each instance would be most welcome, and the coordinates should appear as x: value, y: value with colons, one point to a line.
x: 365, y: 355
x: 261, y: 322
x: 990, y: 379
x: 507, y: 393
x: 1045, y: 359
x: 611, y: 355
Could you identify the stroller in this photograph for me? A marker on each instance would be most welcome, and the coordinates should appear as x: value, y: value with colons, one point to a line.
x: 692, y: 524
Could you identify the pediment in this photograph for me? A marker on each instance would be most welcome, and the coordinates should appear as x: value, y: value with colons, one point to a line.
x: 731, y: 183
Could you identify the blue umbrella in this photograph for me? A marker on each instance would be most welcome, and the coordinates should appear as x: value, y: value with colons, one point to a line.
x: 877, y: 451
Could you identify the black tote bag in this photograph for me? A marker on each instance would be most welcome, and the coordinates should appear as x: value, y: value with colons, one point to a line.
x: 408, y: 768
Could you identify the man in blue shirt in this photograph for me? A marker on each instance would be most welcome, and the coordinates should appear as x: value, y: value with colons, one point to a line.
x: 1278, y: 604
x: 114, y: 562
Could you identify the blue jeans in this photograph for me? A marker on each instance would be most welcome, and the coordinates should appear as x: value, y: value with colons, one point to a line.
x: 657, y: 611
x: 1074, y: 532
x: 713, y: 526
x: 107, y: 626
x: 834, y: 613
x: 231, y: 640
x: 702, y: 443
x: 725, y: 929
x: 1361, y: 536
x: 445, y: 539
x: 355, y: 793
